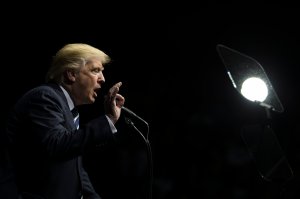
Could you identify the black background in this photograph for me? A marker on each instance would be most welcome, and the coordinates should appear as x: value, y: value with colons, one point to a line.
x: 165, y: 55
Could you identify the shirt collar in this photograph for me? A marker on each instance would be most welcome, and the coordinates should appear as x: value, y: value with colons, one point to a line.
x: 69, y: 100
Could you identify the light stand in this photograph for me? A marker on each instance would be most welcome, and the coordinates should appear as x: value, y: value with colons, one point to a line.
x: 250, y: 80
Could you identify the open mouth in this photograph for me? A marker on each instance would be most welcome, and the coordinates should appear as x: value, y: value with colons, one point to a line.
x: 96, y: 91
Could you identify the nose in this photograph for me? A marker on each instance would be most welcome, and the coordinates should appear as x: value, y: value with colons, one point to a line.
x: 101, y: 78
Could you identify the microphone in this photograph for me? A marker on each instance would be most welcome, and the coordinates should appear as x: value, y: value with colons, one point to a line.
x: 131, y: 113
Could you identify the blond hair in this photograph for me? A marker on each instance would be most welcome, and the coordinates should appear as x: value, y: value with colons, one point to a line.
x: 73, y: 56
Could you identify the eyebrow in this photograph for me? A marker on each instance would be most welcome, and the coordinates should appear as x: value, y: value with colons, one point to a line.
x: 101, y: 67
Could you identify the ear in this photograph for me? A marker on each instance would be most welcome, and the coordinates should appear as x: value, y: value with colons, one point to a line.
x: 70, y: 75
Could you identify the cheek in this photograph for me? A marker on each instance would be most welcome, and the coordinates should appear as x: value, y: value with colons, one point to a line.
x: 88, y: 84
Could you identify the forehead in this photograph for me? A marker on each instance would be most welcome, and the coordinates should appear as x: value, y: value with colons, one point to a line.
x: 94, y: 62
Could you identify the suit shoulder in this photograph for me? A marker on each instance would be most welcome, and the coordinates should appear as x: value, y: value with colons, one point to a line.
x: 43, y: 89
x: 42, y: 94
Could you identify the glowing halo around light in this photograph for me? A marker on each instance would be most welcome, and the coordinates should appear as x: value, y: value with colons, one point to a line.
x: 254, y: 89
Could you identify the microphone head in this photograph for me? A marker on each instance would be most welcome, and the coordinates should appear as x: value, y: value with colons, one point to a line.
x: 128, y: 111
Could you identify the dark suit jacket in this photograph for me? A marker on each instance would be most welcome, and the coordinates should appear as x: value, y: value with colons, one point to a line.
x: 46, y: 148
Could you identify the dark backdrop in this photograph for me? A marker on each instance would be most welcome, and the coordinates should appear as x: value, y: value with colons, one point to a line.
x: 165, y: 55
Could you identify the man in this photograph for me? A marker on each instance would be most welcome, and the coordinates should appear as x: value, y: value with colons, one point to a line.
x: 46, y: 143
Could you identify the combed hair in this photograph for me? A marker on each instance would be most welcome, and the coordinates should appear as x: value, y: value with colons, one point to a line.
x: 73, y: 56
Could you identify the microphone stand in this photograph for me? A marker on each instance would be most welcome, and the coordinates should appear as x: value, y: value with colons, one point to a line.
x: 149, y: 152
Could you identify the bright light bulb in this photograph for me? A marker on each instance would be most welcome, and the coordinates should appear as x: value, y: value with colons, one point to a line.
x: 254, y: 89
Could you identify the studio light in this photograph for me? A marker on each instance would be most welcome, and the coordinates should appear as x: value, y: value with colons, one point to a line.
x: 250, y: 79
x: 254, y: 89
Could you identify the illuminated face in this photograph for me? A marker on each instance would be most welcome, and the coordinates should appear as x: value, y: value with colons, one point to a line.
x: 88, y: 81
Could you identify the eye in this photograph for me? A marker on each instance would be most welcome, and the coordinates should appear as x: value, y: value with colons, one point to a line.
x: 96, y: 70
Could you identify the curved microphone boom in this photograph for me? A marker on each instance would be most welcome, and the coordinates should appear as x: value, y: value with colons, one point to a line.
x: 130, y: 112
x: 128, y: 121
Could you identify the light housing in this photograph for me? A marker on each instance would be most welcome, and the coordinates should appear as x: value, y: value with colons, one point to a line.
x: 242, y: 70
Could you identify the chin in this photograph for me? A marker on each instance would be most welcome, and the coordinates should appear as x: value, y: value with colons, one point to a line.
x: 92, y: 100
x: 89, y: 101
